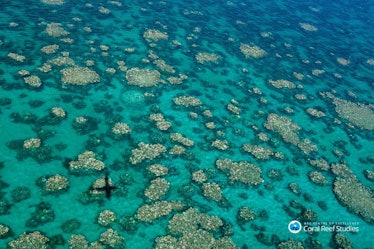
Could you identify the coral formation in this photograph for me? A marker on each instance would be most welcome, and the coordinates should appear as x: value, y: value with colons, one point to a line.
x: 220, y: 144
x: 32, y: 240
x: 212, y: 191
x: 161, y: 123
x: 32, y: 143
x: 290, y: 244
x: 187, y: 101
x: 157, y: 189
x: 245, y: 214
x: 252, y: 51
x: 354, y: 195
x: 148, y: 213
x: 257, y: 151
x: 240, y: 171
x: 56, y: 183
x: 112, y: 239
x: 177, y: 137
x: 288, y: 130
x: 55, y: 30
x: 120, y: 130
x: 86, y: 161
x: 317, y: 178
x: 282, y: 84
x: 50, y: 49
x: 158, y: 169
x: 360, y: 115
x: 33, y: 81
x: 146, y: 151
x: 154, y: 35
x: 17, y: 57
x: 192, y: 229
x: 143, y: 77
x: 79, y: 76
x: 203, y: 58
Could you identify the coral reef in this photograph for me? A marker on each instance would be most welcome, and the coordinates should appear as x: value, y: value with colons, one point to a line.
x: 143, y: 77
x: 120, y: 130
x: 148, y: 213
x: 199, y: 176
x: 5, y: 231
x: 192, y: 229
x: 32, y: 240
x: 33, y: 81
x: 161, y: 123
x: 157, y: 189
x: 158, y: 169
x: 317, y: 178
x: 154, y: 35
x: 187, y: 101
x: 252, y: 51
x: 258, y: 151
x: 86, y: 161
x: 282, y: 84
x: 79, y: 76
x: 342, y: 241
x: 112, y: 239
x: 220, y: 144
x: 245, y: 215
x: 55, y: 29
x: 20, y: 193
x: 288, y: 130
x: 212, y: 191
x: 203, y: 58
x: 56, y: 183
x: 290, y: 244
x: 106, y: 217
x: 43, y: 214
x: 17, y: 57
x: 177, y: 137
x: 146, y: 151
x: 360, y: 115
x: 240, y: 171
x: 356, y: 197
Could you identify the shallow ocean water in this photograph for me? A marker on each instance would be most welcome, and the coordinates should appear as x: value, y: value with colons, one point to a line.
x: 231, y: 56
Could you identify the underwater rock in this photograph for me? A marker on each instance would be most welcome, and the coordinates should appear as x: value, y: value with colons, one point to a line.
x: 20, y: 193
x: 43, y: 214
x: 5, y: 231
x: 4, y: 207
x: 30, y: 240
x: 70, y: 226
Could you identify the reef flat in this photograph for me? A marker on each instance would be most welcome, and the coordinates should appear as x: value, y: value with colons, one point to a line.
x: 186, y: 124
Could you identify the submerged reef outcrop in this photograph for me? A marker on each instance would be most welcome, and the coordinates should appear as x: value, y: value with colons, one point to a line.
x: 240, y: 171
x: 252, y: 51
x: 358, y: 114
x: 86, y: 161
x: 187, y: 101
x: 146, y: 151
x: 192, y: 229
x: 358, y: 198
x: 288, y: 130
x: 43, y: 214
x: 143, y: 77
x: 157, y: 189
x: 30, y: 240
x: 148, y: 213
x: 79, y: 76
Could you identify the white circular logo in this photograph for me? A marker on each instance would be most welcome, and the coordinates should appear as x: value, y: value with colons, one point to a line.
x: 294, y: 226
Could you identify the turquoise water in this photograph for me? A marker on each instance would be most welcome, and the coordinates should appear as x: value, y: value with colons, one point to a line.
x: 323, y: 50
